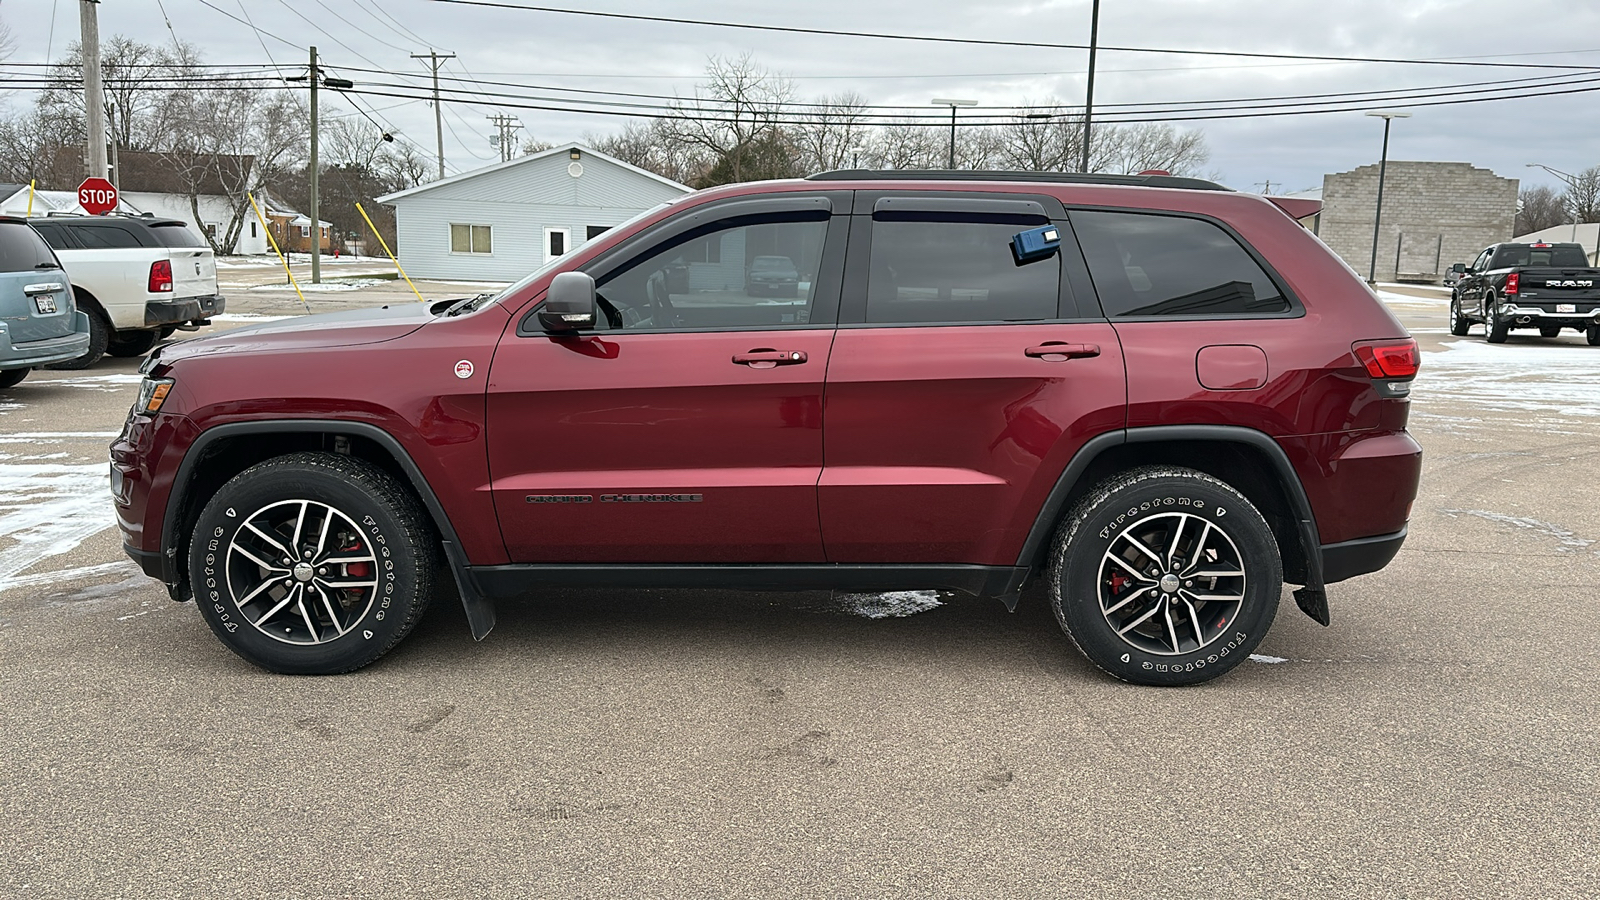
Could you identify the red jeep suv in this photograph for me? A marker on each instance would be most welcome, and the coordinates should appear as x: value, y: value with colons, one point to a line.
x: 1162, y: 397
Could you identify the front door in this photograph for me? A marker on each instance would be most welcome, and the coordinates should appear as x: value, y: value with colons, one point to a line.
x: 961, y: 383
x: 687, y: 428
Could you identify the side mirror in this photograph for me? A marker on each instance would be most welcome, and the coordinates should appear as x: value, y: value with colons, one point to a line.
x: 569, y: 304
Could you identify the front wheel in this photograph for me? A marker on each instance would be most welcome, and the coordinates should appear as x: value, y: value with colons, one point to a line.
x: 1458, y: 323
x: 1165, y: 576
x: 312, y: 563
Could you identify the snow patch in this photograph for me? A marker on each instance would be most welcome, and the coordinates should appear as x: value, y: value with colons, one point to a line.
x: 48, y: 509
x: 1269, y: 660
x: 1569, y: 541
x: 889, y: 605
x: 249, y: 317
x: 1541, y: 378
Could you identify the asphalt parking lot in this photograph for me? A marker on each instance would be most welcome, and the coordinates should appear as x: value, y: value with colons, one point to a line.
x: 1439, y: 740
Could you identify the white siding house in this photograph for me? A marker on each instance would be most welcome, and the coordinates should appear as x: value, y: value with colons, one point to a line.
x: 503, y: 221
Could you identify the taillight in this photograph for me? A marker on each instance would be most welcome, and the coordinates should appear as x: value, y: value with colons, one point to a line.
x: 160, y: 277
x: 1512, y: 281
x: 1388, y: 359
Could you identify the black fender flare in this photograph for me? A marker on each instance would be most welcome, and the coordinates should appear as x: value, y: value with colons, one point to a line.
x: 1312, y: 598
x: 479, y: 609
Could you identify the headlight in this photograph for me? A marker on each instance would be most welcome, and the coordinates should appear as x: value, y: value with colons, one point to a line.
x: 152, y: 393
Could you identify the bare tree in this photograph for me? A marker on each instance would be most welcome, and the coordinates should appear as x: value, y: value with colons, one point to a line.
x: 835, y: 135
x: 134, y: 75
x: 738, y: 106
x: 532, y: 145
x: 908, y: 144
x: 655, y: 147
x: 1539, y: 208
x: 1148, y: 145
x: 1583, y: 195
x: 1047, y: 140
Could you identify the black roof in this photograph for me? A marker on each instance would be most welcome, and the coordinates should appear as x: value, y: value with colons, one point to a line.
x: 1162, y: 181
x: 74, y: 218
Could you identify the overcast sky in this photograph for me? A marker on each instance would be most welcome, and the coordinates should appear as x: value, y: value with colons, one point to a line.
x: 1293, y: 152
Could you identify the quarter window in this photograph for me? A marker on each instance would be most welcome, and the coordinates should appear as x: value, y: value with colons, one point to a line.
x: 1154, y: 265
x: 470, y: 239
x: 956, y: 271
x: 752, y: 275
x: 104, y: 237
x: 21, y: 250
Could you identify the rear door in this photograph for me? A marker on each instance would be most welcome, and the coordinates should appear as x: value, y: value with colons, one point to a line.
x: 688, y: 427
x: 194, y: 266
x: 961, y: 382
x: 35, y: 295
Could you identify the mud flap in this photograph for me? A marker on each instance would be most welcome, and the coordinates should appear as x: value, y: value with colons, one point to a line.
x: 1314, y: 603
x: 479, y: 608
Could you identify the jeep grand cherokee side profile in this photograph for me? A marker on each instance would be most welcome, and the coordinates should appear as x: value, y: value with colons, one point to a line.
x: 1162, y: 398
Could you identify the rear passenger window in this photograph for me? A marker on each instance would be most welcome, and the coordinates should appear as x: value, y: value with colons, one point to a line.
x: 175, y: 234
x: 102, y: 237
x: 1155, y: 265
x: 22, y: 250
x: 954, y: 272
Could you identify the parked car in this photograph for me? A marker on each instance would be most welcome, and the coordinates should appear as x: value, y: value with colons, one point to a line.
x: 772, y: 275
x: 39, y: 324
x: 1160, y: 398
x: 137, y: 277
x: 1454, y: 274
x: 1539, y: 285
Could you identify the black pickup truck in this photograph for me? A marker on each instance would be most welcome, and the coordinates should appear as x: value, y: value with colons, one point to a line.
x: 1543, y: 286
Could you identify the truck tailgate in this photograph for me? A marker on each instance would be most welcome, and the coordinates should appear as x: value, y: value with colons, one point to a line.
x: 1544, y: 285
x: 194, y: 273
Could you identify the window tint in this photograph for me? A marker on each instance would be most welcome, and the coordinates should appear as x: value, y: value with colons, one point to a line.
x: 177, y: 234
x: 1510, y: 255
x: 955, y: 271
x: 22, y: 250
x: 1153, y: 265
x: 709, y: 279
x: 104, y: 237
x: 55, y: 235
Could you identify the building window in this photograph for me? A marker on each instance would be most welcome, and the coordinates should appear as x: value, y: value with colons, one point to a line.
x: 252, y: 229
x: 211, y: 230
x: 595, y: 231
x: 305, y: 231
x: 557, y: 241
x: 470, y: 239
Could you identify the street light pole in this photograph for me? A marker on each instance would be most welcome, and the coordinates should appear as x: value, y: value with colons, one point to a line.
x: 1383, y: 166
x: 1088, y: 100
x: 953, y: 104
x: 1572, y: 185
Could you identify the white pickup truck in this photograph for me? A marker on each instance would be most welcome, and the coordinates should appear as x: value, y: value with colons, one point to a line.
x: 138, y: 278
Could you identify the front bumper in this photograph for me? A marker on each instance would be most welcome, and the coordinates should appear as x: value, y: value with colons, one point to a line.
x: 187, y: 309
x: 50, y: 350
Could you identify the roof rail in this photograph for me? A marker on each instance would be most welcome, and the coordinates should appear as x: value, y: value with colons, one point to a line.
x: 1163, y: 181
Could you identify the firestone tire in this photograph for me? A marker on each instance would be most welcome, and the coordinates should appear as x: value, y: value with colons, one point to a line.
x: 1458, y: 323
x: 361, y: 573
x: 1189, y: 608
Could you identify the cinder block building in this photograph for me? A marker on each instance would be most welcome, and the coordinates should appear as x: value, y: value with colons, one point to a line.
x: 1434, y: 214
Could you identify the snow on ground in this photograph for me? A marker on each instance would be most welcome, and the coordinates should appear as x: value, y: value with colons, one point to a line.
x: 47, y: 509
x: 890, y: 605
x: 327, y: 287
x: 252, y: 318
x: 1543, y: 379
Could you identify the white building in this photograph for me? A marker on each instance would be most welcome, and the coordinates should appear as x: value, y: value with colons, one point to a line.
x: 1587, y: 234
x: 503, y: 221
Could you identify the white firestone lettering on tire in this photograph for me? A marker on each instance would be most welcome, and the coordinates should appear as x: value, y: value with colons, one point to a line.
x: 1238, y: 638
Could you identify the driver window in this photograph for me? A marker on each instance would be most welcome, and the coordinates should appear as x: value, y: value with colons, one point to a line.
x: 752, y: 275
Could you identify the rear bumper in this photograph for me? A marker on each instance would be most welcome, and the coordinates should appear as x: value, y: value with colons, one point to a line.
x: 45, y: 352
x: 1531, y: 314
x: 187, y: 309
x: 1358, y: 557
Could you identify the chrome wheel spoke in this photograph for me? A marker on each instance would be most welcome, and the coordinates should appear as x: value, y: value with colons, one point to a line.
x: 1214, y: 598
x: 1172, y: 630
x: 270, y: 539
x: 1154, y: 608
x: 287, y: 599
x: 345, y: 585
x: 333, y: 615
x: 299, y: 525
x: 1215, y: 573
x: 1128, y: 569
x: 322, y: 539
x: 305, y: 614
x: 257, y: 560
x: 1194, y: 622
x: 1177, y: 538
x: 1128, y: 599
x: 265, y: 585
x: 1139, y: 546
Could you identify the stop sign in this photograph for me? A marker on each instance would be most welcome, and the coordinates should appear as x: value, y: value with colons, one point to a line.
x: 97, y: 196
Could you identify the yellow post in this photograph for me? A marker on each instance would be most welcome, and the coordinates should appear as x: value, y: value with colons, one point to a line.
x: 30, y: 197
x: 385, y: 245
x: 274, y: 245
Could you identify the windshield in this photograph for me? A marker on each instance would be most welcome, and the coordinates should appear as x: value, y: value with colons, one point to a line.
x: 554, y: 261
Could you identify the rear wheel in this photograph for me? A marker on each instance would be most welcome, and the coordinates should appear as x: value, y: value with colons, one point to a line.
x: 1165, y: 576
x: 1495, y: 328
x: 1593, y: 335
x: 312, y: 563
x: 1458, y: 323
x: 131, y: 343
x: 99, y: 338
x: 12, y: 377
x: 1549, y: 330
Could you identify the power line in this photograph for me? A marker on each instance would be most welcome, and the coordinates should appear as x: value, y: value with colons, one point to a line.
x: 346, y: 21
x: 986, y: 42
x: 259, y: 31
x: 385, y: 23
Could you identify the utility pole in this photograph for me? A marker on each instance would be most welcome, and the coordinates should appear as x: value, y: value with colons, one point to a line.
x: 1383, y: 167
x: 1088, y: 102
x: 508, y: 127
x: 438, y: 116
x: 945, y: 101
x: 316, y: 221
x: 94, y: 98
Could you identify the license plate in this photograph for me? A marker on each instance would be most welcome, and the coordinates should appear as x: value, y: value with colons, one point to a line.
x: 45, y: 303
x: 1566, y: 307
